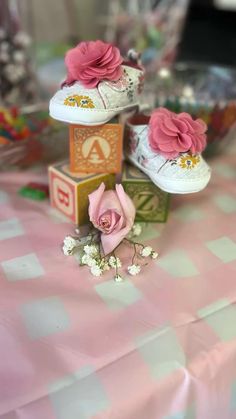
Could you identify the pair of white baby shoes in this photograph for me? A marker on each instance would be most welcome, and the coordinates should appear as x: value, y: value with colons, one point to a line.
x: 100, y: 85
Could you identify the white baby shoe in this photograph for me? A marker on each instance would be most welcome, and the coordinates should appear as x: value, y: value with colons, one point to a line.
x: 99, y: 85
x: 167, y: 147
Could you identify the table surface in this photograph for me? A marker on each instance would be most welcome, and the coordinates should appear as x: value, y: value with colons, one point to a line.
x: 161, y: 345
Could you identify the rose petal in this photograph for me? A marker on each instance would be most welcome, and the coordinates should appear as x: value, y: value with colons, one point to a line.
x: 199, y: 143
x: 93, y: 61
x: 201, y: 126
x: 168, y: 146
x: 110, y: 242
x: 94, y: 203
x: 180, y: 125
x: 170, y: 134
x: 185, y: 115
x: 163, y: 111
x: 112, y: 219
x: 183, y: 143
x: 162, y: 137
x: 168, y: 127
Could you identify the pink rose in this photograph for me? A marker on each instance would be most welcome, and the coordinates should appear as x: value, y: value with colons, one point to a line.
x: 111, y: 212
x: 171, y: 133
x: 93, y: 61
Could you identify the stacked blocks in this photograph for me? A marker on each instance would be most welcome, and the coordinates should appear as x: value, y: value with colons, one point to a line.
x: 95, y: 157
x: 151, y: 203
x: 96, y: 149
x: 69, y: 191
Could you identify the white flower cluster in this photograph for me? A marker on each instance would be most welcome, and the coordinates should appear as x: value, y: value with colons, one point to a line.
x: 114, y: 262
x: 14, y: 72
x: 134, y: 269
x: 91, y: 257
x: 148, y: 251
x: 69, y: 245
x: 136, y: 230
x: 98, y: 264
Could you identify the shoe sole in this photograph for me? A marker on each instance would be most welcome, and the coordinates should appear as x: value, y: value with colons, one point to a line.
x: 85, y: 116
x: 166, y: 185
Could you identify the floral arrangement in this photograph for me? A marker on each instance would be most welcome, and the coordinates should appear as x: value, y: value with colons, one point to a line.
x: 112, y: 216
x: 17, y: 79
x: 171, y: 133
x: 93, y: 61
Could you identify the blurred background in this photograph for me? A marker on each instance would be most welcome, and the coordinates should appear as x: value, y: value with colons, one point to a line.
x: 188, y: 49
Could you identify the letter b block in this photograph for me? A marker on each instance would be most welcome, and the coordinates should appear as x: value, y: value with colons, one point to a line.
x: 151, y: 203
x: 69, y: 191
x: 96, y: 149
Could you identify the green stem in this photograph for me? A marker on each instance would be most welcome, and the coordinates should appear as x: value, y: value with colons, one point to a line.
x: 133, y: 242
x: 133, y: 258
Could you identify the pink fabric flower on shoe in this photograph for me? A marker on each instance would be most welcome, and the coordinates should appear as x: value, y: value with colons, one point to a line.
x: 93, y: 61
x: 171, y: 134
x: 111, y: 212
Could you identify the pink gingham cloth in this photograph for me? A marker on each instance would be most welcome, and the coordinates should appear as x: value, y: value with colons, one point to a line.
x: 161, y: 345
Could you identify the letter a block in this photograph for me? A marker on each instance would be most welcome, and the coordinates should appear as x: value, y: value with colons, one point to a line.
x: 151, y: 203
x: 96, y: 149
x: 69, y: 191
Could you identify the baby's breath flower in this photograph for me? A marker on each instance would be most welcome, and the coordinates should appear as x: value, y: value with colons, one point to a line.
x: 104, y: 265
x: 91, y: 250
x: 154, y: 255
x: 22, y: 39
x: 4, y: 57
x: 118, y: 278
x: 69, y: 245
x: 88, y: 260
x: 18, y: 56
x: 14, y: 73
x: 67, y: 251
x: 114, y: 262
x: 70, y: 242
x: 134, y: 269
x: 146, y: 251
x: 96, y: 270
x: 137, y: 229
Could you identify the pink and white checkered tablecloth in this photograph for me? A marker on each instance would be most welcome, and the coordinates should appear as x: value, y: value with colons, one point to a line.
x: 161, y: 345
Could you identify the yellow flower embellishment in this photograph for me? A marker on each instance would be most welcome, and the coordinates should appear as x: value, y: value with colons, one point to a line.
x: 79, y: 101
x: 189, y: 162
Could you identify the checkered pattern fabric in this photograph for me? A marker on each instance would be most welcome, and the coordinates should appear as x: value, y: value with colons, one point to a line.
x: 161, y: 345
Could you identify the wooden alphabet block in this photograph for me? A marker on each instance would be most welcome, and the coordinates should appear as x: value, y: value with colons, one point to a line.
x: 69, y: 191
x: 151, y: 203
x: 96, y: 149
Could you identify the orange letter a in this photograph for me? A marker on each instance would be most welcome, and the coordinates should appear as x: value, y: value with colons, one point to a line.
x: 95, y: 152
